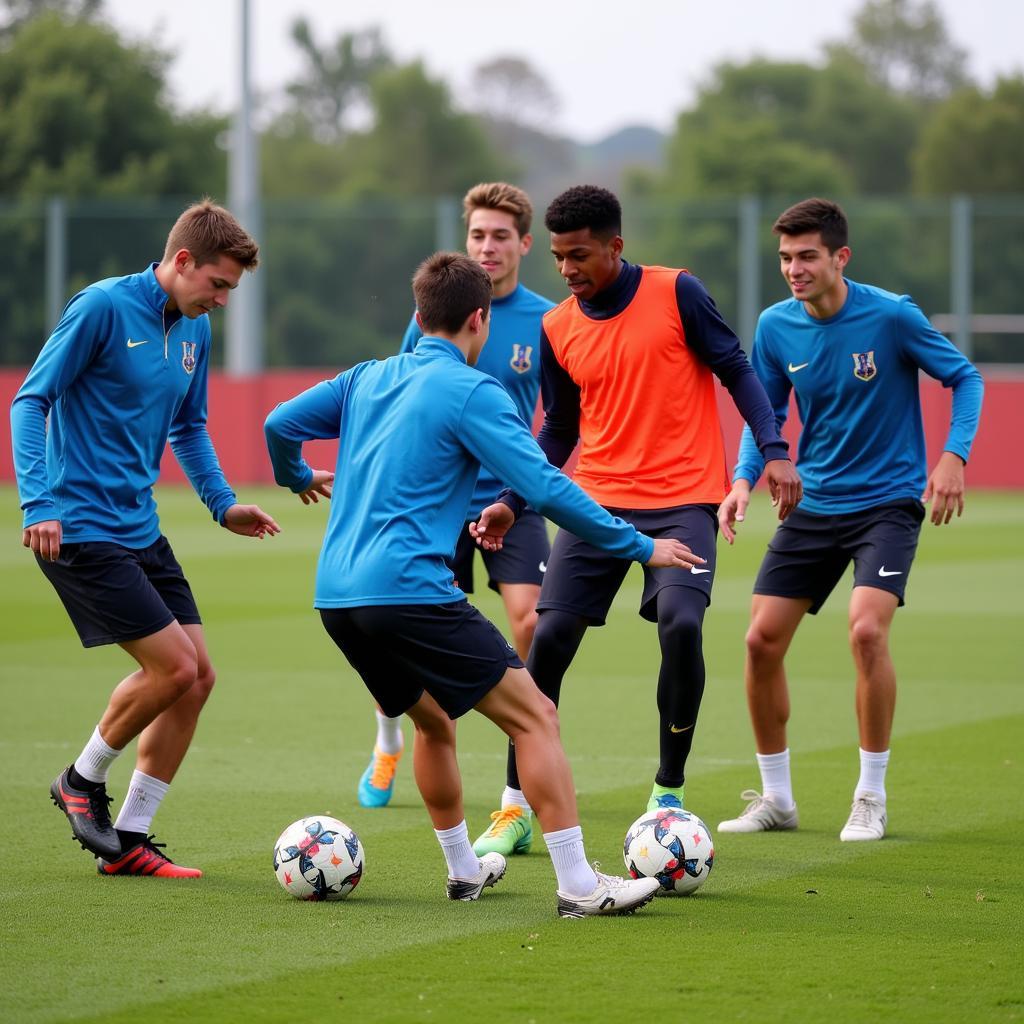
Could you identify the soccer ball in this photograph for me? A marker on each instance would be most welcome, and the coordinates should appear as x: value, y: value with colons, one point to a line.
x: 671, y: 845
x: 318, y: 858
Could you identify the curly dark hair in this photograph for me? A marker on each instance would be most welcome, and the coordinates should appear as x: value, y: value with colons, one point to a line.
x: 585, y: 206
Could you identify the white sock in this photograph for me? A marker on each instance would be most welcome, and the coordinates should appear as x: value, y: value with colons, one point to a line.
x: 458, y: 851
x: 775, y: 781
x: 575, y: 875
x: 515, y: 798
x: 94, y: 762
x: 141, y: 803
x: 389, y: 734
x: 872, y: 774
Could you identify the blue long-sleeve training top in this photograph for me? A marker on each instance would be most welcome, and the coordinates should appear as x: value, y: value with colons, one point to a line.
x: 512, y: 357
x: 855, y: 375
x: 414, y: 431
x: 118, y: 378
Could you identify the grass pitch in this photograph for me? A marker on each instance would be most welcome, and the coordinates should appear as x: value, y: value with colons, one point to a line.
x: 924, y: 926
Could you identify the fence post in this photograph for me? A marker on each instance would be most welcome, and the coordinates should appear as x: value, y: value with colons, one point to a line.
x: 56, y: 259
x: 446, y: 212
x: 749, y: 291
x: 961, y: 272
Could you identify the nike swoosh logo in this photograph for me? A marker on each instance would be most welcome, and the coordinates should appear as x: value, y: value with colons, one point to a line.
x: 136, y: 344
x: 793, y: 369
x: 889, y: 572
x: 697, y: 572
x: 543, y: 566
x: 685, y: 728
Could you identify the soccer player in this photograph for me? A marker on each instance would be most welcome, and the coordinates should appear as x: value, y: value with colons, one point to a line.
x: 498, y: 218
x: 415, y: 430
x: 852, y: 354
x: 124, y: 372
x: 626, y: 368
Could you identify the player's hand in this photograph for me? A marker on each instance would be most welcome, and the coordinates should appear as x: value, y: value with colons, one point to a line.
x: 785, y: 485
x: 250, y: 521
x: 672, y: 553
x: 321, y: 484
x: 734, y: 509
x: 44, y: 539
x: 490, y: 528
x: 946, y: 486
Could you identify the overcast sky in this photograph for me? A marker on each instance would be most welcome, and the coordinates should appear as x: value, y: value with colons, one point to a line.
x: 610, y: 63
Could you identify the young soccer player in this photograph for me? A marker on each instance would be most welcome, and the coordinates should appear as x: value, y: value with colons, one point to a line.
x: 124, y: 372
x: 415, y: 430
x: 498, y: 218
x: 626, y: 368
x: 852, y: 353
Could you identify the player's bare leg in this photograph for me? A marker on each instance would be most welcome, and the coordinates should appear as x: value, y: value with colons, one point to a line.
x: 165, y: 741
x: 440, y: 784
x: 521, y: 607
x: 871, y: 615
x: 530, y: 720
x: 773, y: 623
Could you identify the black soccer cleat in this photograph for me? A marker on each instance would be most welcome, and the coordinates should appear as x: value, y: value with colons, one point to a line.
x: 88, y: 812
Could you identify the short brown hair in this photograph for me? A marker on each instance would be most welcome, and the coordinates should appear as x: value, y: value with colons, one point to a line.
x: 821, y: 215
x: 499, y: 195
x: 449, y: 287
x: 209, y: 231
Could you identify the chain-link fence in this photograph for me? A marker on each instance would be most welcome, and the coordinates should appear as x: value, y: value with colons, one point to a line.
x: 336, y: 276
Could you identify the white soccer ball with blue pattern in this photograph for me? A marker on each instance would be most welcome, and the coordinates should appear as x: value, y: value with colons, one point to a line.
x: 318, y: 858
x: 671, y: 845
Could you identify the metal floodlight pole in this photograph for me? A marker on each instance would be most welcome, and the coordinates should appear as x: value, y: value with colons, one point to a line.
x: 245, y: 311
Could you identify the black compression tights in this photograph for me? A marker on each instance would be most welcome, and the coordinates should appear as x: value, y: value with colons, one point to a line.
x: 680, y: 681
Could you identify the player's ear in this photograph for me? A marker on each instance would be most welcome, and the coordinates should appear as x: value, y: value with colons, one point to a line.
x: 182, y: 259
x: 616, y: 245
x: 525, y: 244
x: 419, y: 322
x: 843, y: 255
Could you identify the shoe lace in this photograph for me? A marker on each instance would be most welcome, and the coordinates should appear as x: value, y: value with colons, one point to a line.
x: 99, y: 806
x: 384, y: 768
x: 156, y: 848
x: 757, y: 801
x: 861, y: 812
x: 503, y: 819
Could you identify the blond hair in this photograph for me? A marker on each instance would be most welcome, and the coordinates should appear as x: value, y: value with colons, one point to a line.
x: 499, y: 195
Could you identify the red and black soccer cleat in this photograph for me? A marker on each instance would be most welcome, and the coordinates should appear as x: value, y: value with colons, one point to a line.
x: 88, y: 812
x: 145, y: 858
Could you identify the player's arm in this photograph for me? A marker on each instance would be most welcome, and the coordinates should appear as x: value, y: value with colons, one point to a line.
x: 493, y: 432
x: 750, y: 462
x: 85, y: 323
x: 313, y: 415
x: 940, y: 358
x: 412, y: 335
x: 560, y: 431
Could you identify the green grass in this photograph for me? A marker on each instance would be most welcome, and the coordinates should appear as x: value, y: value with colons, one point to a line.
x: 924, y: 926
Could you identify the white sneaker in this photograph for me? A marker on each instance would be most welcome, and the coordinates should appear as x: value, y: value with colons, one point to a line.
x: 866, y: 821
x: 492, y: 867
x: 760, y: 815
x: 612, y: 895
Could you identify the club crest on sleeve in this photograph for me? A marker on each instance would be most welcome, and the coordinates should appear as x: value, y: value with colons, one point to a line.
x: 520, y: 361
x: 188, y: 355
x: 864, y: 365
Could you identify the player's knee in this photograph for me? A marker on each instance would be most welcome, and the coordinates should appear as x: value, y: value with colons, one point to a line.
x: 180, y: 674
x: 524, y: 626
x: 867, y: 635
x: 762, y: 644
x: 203, y: 686
x: 679, y: 629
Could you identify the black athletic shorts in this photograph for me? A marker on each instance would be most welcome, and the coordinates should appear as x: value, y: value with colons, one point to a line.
x: 584, y: 580
x: 449, y: 650
x: 522, y: 558
x: 114, y: 594
x: 809, y: 553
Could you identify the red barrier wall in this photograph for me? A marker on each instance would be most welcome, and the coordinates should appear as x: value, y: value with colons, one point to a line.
x: 239, y: 406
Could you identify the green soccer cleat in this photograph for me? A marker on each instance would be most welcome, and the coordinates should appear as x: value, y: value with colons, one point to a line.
x: 510, y: 832
x: 665, y: 798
